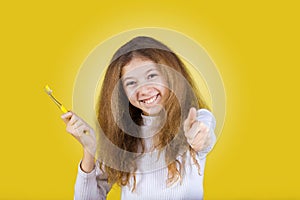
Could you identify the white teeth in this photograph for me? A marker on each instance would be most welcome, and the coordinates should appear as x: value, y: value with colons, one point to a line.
x: 150, y: 100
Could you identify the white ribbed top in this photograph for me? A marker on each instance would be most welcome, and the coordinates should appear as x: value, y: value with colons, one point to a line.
x: 151, y: 177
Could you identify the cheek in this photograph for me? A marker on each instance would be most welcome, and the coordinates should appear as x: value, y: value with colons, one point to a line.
x: 130, y: 95
x: 126, y: 90
x: 132, y: 100
x: 164, y: 89
x: 165, y: 92
x: 163, y: 83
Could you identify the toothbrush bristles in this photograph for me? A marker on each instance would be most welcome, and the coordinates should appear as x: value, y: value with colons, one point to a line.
x: 48, y: 90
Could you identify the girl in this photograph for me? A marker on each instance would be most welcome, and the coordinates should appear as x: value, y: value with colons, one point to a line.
x: 153, y: 141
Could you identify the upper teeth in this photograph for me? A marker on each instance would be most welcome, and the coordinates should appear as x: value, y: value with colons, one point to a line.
x: 150, y: 100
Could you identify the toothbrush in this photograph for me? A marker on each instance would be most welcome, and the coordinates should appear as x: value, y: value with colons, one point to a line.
x: 49, y: 92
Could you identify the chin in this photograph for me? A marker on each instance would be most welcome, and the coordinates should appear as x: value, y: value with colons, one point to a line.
x: 153, y: 111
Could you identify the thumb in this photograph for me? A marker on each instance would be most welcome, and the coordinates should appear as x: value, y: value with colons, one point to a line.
x: 191, y: 118
x: 66, y: 117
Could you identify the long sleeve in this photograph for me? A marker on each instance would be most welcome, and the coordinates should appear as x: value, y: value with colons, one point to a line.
x: 209, y: 120
x: 91, y: 186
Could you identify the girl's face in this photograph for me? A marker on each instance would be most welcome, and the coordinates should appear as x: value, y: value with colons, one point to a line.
x: 145, y: 85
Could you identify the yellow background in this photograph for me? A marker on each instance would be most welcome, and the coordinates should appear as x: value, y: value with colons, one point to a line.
x: 255, y: 45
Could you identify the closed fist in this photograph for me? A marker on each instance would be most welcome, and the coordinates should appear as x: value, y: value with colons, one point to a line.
x: 196, y: 132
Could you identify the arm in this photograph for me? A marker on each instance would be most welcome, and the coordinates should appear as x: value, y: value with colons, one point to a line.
x: 91, y: 185
x: 91, y: 182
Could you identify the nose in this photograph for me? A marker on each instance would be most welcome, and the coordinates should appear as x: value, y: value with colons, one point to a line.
x: 145, y: 90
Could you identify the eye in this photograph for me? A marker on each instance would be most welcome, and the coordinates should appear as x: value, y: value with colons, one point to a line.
x: 150, y: 76
x: 130, y: 83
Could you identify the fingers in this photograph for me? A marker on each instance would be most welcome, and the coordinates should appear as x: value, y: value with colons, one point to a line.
x: 201, y: 140
x: 191, y: 118
x: 74, y: 120
x: 197, y: 127
x: 70, y: 118
x: 81, y: 131
x: 81, y: 128
x: 75, y: 125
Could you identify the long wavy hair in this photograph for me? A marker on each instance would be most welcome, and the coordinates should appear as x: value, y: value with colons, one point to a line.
x: 171, y: 136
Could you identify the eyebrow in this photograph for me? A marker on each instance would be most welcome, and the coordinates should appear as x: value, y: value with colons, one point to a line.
x: 130, y: 77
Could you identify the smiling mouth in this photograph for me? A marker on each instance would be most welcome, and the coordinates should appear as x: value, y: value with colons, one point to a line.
x: 150, y: 100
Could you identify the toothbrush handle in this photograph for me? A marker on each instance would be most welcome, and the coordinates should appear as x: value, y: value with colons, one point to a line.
x: 62, y: 108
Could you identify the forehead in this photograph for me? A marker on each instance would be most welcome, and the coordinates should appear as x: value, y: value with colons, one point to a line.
x: 137, y: 66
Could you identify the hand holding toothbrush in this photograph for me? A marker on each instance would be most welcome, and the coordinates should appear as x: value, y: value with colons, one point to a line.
x: 85, y: 135
x: 80, y: 130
